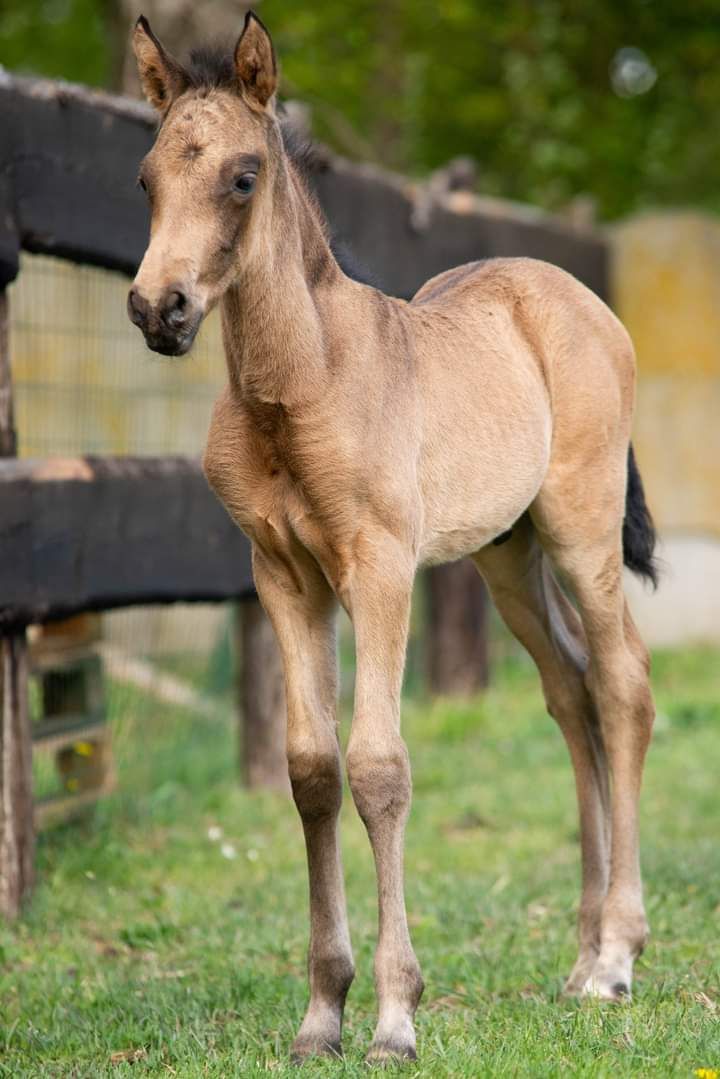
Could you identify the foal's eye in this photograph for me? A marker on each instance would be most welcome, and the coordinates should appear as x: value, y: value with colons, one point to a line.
x: 245, y: 184
x: 141, y: 184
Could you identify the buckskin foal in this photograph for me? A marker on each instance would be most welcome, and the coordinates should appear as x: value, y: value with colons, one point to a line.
x: 360, y: 437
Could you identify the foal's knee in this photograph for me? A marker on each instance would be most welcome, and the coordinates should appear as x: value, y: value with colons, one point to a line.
x: 316, y: 781
x: 379, y: 777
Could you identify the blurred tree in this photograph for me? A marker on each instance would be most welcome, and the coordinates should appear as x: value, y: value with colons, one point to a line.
x: 616, y: 100
x: 59, y: 38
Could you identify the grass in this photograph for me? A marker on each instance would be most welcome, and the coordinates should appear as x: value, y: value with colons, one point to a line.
x: 146, y: 937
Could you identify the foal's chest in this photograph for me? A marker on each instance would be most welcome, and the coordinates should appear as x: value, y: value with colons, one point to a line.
x: 263, y: 469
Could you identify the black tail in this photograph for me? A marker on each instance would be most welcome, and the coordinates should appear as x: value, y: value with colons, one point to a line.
x: 638, y: 533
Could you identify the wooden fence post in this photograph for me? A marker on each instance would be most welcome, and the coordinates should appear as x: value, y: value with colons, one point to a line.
x: 17, y: 834
x: 261, y: 693
x: 456, y: 630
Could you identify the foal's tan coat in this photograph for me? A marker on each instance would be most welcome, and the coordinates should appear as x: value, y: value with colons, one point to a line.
x: 360, y: 437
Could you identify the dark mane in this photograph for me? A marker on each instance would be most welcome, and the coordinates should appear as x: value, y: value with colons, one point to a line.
x: 211, y: 67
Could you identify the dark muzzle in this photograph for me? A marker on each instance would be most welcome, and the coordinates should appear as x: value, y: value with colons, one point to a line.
x: 170, y: 326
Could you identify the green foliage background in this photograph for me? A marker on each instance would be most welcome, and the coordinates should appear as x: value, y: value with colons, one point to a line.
x: 522, y: 85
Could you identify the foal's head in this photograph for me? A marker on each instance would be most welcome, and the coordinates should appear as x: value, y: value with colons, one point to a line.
x: 210, y: 179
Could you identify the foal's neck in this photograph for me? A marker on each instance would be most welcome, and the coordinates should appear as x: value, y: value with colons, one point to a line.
x: 272, y: 319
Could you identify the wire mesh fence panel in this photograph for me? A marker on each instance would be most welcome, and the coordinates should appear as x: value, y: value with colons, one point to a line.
x: 84, y: 380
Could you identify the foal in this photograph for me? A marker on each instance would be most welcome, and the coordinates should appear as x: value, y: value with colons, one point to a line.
x: 360, y: 437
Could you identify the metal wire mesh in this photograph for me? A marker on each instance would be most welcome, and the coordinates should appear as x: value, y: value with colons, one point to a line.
x: 85, y: 381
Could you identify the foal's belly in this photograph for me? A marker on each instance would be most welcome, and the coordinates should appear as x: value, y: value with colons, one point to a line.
x: 473, y: 496
x: 455, y: 537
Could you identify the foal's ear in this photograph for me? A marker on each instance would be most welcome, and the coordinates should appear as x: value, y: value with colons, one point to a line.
x: 255, y: 62
x: 161, y: 77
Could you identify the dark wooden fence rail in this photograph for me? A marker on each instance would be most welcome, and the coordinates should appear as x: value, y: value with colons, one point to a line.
x: 68, y: 164
x: 94, y: 533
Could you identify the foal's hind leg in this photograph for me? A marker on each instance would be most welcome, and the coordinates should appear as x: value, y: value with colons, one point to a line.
x: 537, y: 612
x: 302, y: 609
x: 617, y: 679
x: 579, y: 515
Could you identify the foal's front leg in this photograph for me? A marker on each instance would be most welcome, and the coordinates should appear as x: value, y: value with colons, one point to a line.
x: 379, y: 773
x: 302, y: 608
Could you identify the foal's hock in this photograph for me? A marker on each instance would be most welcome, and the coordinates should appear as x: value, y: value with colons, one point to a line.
x: 360, y: 437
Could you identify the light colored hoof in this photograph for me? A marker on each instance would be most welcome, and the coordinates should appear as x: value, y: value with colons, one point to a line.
x: 579, y: 976
x: 389, y: 1052
x: 394, y: 1038
x: 306, y: 1048
x: 573, y: 987
x: 614, y: 990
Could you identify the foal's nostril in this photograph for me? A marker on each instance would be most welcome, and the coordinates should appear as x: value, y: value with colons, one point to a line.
x: 173, y: 312
x: 137, y: 307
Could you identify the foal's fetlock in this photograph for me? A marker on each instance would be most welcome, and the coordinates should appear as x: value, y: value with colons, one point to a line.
x: 331, y: 977
x: 414, y: 984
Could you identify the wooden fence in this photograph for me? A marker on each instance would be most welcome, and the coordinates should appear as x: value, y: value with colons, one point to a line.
x: 94, y: 533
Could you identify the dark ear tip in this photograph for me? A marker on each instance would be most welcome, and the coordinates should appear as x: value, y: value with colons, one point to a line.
x: 141, y: 23
x: 252, y: 17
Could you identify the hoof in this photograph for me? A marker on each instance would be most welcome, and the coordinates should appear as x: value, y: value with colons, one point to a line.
x: 305, y: 1048
x: 617, y: 992
x: 390, y: 1053
x: 575, y: 986
x: 580, y: 974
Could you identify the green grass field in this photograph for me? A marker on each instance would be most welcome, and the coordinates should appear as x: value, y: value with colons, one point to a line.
x: 146, y: 937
